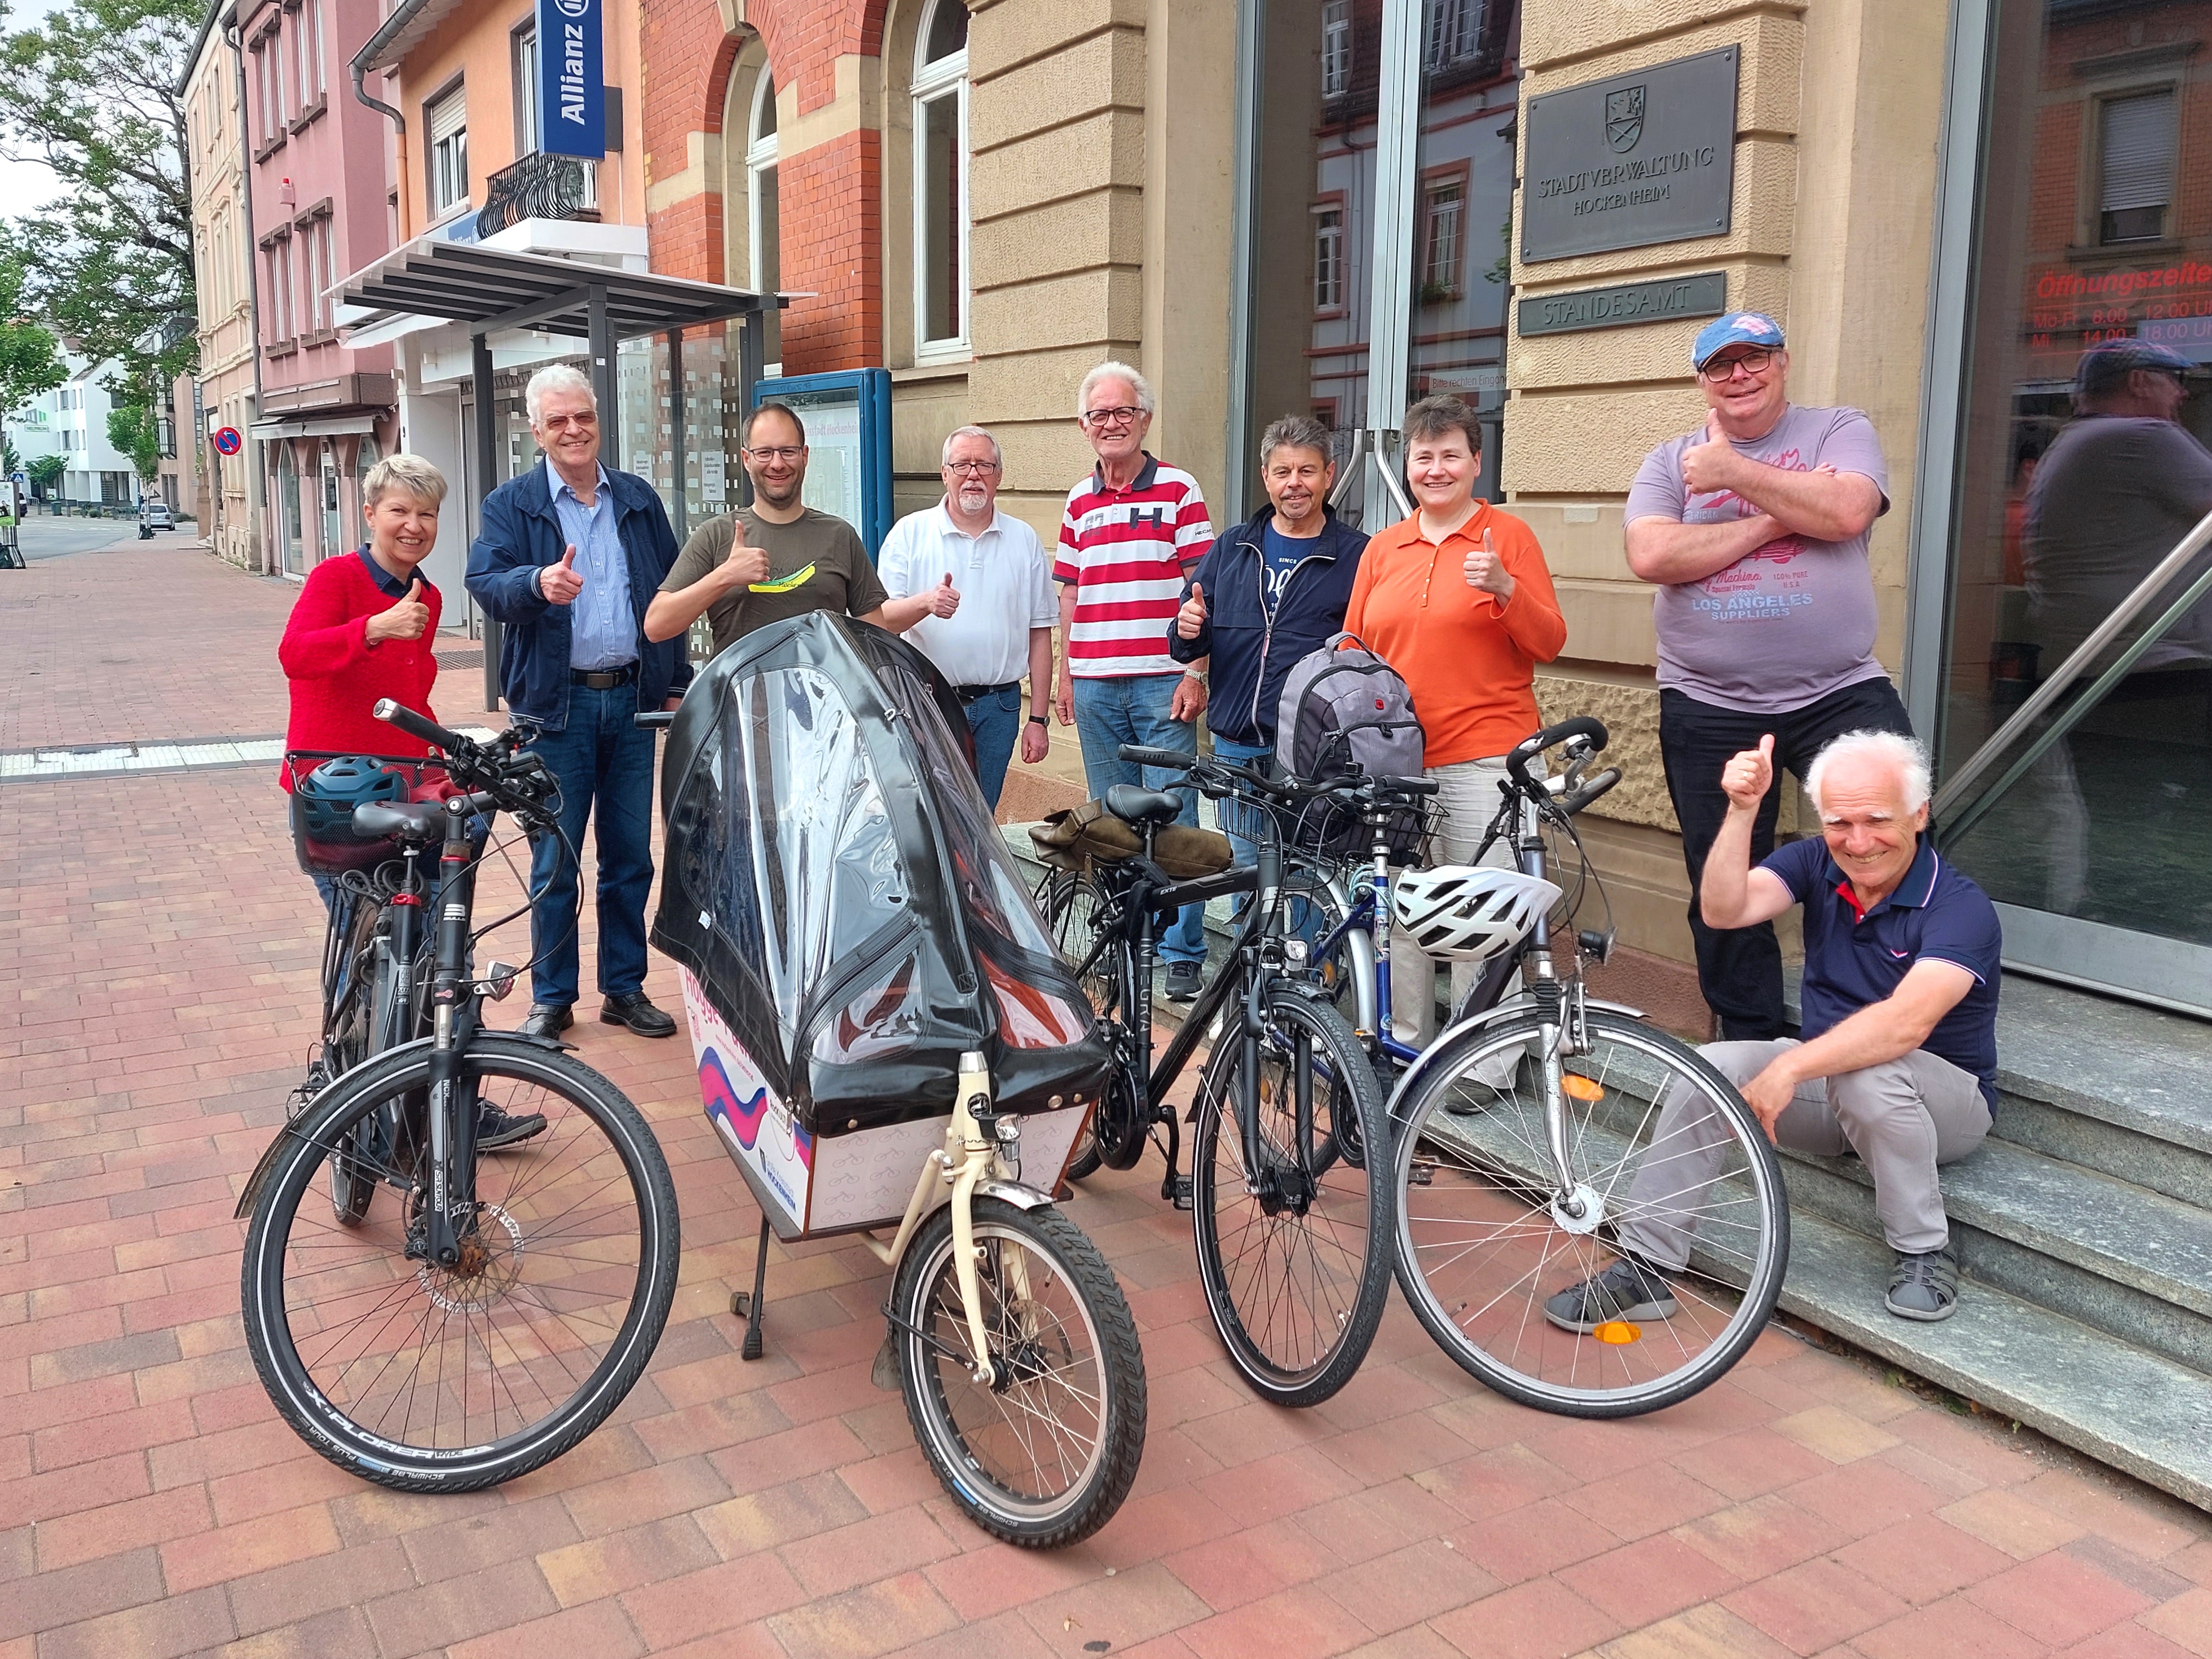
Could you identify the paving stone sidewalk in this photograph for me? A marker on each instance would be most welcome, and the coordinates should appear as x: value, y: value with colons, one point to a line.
x: 157, y: 966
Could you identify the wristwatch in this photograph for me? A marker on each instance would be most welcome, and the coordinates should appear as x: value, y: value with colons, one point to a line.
x: 1039, y: 720
x: 1198, y: 674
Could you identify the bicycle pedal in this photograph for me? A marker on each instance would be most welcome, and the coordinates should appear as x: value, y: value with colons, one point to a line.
x: 1185, y: 1198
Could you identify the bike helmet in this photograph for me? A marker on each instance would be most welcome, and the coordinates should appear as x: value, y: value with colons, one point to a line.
x: 1460, y: 913
x: 329, y: 792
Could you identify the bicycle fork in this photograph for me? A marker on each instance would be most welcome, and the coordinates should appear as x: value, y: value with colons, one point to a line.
x: 453, y: 1131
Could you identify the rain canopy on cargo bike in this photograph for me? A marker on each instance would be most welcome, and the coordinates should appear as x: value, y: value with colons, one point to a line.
x: 850, y: 923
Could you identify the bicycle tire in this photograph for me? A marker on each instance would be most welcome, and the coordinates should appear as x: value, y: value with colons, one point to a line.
x: 1114, y: 1137
x: 350, y: 1036
x: 953, y: 1418
x: 1482, y: 1245
x: 1335, y: 1253
x: 597, y: 1150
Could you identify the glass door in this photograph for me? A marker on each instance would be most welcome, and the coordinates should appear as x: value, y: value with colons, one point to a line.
x: 2083, y: 406
x: 1377, y: 198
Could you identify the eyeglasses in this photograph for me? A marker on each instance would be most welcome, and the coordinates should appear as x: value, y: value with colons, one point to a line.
x: 781, y: 453
x: 971, y: 468
x: 1753, y: 361
x: 583, y: 422
x: 1119, y: 415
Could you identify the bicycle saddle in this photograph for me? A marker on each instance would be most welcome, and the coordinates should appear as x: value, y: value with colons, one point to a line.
x: 409, y: 820
x: 1131, y: 805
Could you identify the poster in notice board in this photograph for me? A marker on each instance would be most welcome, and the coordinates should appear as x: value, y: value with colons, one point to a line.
x: 848, y: 444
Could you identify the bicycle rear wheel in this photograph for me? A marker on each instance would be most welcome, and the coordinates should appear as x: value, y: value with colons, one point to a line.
x: 1045, y: 1456
x: 1488, y: 1248
x: 366, y: 1019
x: 1296, y: 1273
x: 425, y: 1378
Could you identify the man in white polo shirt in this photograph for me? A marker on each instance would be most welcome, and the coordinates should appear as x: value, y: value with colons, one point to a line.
x: 991, y: 618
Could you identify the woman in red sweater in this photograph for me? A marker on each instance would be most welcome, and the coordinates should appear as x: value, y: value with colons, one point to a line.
x: 1457, y: 599
x: 363, y: 626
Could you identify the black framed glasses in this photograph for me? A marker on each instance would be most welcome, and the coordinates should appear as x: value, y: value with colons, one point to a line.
x: 1753, y: 361
x: 1119, y: 415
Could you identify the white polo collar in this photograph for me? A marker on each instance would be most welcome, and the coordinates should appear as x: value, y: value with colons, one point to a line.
x: 946, y: 526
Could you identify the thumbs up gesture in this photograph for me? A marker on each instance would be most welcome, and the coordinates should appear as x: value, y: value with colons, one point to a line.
x: 560, y: 583
x: 1745, y: 779
x: 743, y: 565
x: 1486, y: 573
x: 1707, y: 467
x: 406, y: 618
x: 1192, y: 617
x: 944, y: 598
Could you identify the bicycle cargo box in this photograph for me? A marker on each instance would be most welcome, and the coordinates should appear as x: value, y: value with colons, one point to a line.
x: 850, y: 922
x: 326, y: 842
x: 1074, y: 838
x: 1344, y: 710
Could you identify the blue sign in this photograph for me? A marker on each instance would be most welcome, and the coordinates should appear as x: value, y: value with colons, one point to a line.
x: 572, y: 91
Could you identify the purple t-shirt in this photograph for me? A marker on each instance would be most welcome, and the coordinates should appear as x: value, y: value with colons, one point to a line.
x: 1787, y: 622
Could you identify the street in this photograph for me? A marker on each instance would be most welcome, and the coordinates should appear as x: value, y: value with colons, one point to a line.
x: 158, y: 992
x: 46, y: 537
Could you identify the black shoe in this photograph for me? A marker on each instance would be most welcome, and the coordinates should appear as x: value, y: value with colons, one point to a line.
x: 638, y: 1013
x: 547, y: 1019
x: 1182, y: 982
x: 1924, y: 1286
x: 1627, y: 1290
x: 495, y: 1128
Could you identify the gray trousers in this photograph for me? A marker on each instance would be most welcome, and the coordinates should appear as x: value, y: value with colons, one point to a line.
x: 1902, y: 1117
x: 1468, y: 796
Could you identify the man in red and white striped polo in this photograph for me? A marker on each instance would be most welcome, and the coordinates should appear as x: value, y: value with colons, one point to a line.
x: 1131, y: 532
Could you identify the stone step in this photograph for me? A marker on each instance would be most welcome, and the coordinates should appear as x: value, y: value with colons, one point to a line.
x: 2132, y: 1262
x: 2119, y: 1403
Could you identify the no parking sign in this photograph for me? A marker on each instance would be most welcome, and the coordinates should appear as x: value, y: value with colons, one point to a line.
x: 228, y: 440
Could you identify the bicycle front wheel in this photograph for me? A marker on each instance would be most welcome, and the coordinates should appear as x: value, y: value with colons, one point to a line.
x: 1294, y: 1258
x: 1045, y: 1454
x: 1575, y: 1297
x: 426, y: 1378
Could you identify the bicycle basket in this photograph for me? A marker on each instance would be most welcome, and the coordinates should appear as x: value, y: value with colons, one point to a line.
x: 1075, y: 839
x: 323, y: 836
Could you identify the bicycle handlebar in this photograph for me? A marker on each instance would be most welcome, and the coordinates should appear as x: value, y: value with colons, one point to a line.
x: 415, y: 726
x: 1575, y: 799
x: 1516, y: 761
x: 656, y: 720
x: 1284, y: 789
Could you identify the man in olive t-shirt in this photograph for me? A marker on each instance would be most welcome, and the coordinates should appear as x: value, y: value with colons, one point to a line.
x: 778, y: 557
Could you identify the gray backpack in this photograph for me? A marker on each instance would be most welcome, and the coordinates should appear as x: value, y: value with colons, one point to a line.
x: 1345, y: 711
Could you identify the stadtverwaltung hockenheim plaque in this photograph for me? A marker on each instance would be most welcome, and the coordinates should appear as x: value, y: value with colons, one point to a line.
x: 1635, y: 159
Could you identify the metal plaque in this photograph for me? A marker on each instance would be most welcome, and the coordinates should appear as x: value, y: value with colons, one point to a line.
x: 1636, y: 159
x: 1704, y: 294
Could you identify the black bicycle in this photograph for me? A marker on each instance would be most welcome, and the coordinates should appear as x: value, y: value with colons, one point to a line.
x: 1293, y: 1231
x: 505, y: 1300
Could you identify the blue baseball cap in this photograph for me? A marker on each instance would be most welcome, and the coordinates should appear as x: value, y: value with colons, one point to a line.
x: 1737, y: 328
x: 2109, y: 362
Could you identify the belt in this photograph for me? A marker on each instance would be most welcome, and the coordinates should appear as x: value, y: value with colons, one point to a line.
x: 602, y: 679
x: 971, y: 693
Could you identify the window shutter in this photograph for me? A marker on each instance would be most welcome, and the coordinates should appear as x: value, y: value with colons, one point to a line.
x: 2138, y: 152
x: 448, y: 116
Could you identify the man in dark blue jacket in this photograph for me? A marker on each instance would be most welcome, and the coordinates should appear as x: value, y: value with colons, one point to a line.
x: 569, y: 556
x: 1268, y: 592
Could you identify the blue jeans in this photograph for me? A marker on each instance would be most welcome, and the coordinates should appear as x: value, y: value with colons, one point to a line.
x: 1110, y: 712
x: 1244, y: 834
x: 604, y: 765
x: 996, y: 721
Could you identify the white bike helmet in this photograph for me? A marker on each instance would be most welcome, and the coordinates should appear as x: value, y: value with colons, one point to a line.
x: 1460, y: 912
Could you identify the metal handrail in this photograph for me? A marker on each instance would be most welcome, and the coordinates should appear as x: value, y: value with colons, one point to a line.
x: 1368, y: 441
x: 1955, y: 787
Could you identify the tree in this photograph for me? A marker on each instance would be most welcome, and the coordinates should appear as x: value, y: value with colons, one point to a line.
x: 29, y: 363
x: 134, y: 429
x: 46, y: 471
x: 92, y: 93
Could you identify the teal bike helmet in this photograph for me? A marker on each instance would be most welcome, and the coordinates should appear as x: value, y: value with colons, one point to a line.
x: 322, y: 813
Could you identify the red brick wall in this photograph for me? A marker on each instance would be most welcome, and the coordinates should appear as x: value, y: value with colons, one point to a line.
x: 831, y: 196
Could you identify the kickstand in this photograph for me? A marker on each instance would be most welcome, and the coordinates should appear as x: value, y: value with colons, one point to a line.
x: 750, y: 1308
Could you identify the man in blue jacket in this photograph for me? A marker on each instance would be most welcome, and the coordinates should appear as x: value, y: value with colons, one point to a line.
x: 1268, y: 592
x: 569, y: 556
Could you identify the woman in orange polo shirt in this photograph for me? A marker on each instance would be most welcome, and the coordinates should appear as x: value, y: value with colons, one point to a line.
x: 1456, y: 598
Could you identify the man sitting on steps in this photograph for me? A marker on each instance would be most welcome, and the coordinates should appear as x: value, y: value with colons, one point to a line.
x: 1898, y: 1058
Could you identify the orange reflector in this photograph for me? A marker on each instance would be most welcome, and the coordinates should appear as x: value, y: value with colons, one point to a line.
x: 1617, y: 1332
x: 1581, y: 1088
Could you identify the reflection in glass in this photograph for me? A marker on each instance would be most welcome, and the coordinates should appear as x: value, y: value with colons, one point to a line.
x: 2084, y: 459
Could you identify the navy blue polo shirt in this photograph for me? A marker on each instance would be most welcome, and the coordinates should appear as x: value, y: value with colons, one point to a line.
x: 384, y: 581
x: 1852, y: 959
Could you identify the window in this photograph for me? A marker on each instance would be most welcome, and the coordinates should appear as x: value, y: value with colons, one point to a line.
x: 764, y: 225
x: 1454, y: 32
x: 2136, y: 148
x: 529, y: 128
x: 269, y: 90
x: 315, y: 272
x: 941, y: 181
x: 281, y: 315
x: 1445, y: 204
x: 447, y: 120
x: 307, y: 54
x: 1329, y: 259
x: 1335, y: 48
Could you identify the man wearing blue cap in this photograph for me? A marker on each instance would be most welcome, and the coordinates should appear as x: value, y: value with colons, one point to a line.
x: 1755, y: 530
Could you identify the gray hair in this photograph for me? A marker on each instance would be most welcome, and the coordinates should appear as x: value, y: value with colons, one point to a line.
x: 944, y: 455
x: 557, y: 377
x: 1295, y: 431
x: 410, y: 475
x: 1139, y: 387
x: 1903, y: 754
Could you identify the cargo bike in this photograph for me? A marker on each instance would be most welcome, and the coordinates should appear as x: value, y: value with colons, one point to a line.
x: 889, y: 1047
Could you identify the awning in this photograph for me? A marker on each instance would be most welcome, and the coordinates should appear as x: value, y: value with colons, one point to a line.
x: 467, y: 283
x: 331, y: 425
